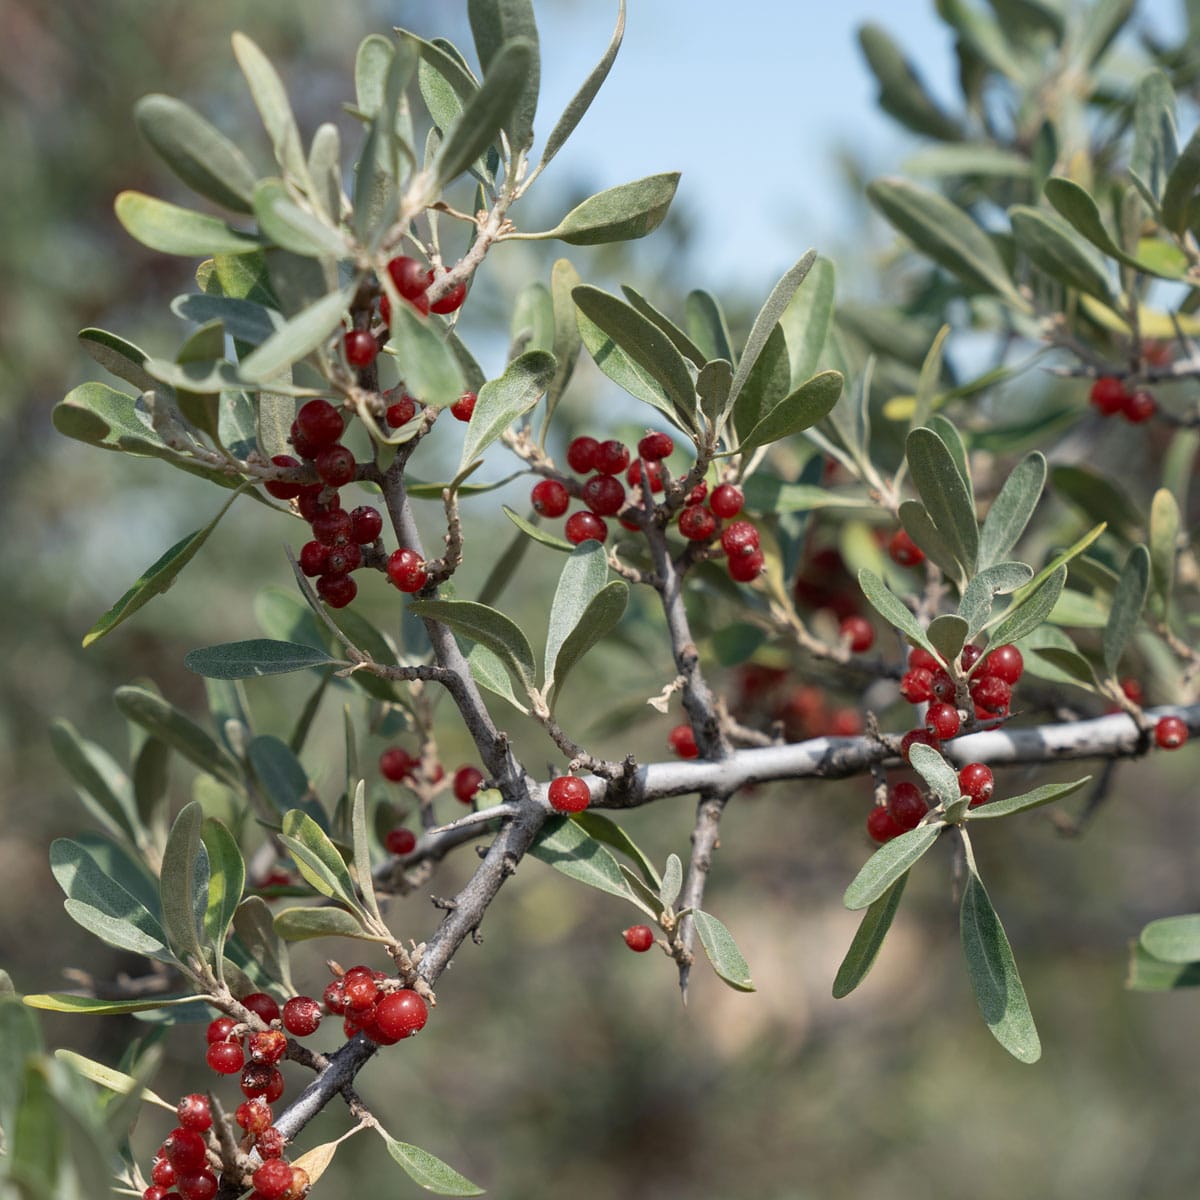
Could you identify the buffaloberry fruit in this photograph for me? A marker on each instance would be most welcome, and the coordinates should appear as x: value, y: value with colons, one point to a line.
x: 200, y: 1186
x: 464, y: 406
x: 400, y: 841
x: 568, y: 794
x: 581, y: 454
x: 267, y: 1046
x: 917, y: 737
x: 977, y: 781
x: 361, y: 348
x: 162, y: 1173
x: 1107, y: 395
x: 466, y: 783
x: 319, y: 424
x: 639, y: 938
x: 655, y: 446
x: 906, y: 805
x: 400, y: 1014
x: 697, y: 523
x: 334, y: 997
x: 1139, y: 406
x: 220, y: 1030
x: 739, y: 538
x: 451, y: 301
x: 918, y: 657
x: 1005, y: 662
x: 943, y: 687
x: 184, y: 1149
x: 253, y: 1116
x: 1132, y: 689
x: 401, y: 412
x: 226, y: 1058
x: 273, y: 1179
x: 337, y: 590
x: 584, y: 526
x: 916, y: 686
x: 262, y: 1005
x: 365, y: 524
x: 991, y: 694
x: 410, y: 277
x: 697, y: 494
x: 654, y: 473
x: 550, y: 498
x: 315, y: 499
x: 335, y: 465
x: 881, y: 825
x: 726, y: 501
x: 301, y: 1016
x: 270, y: 1143
x: 281, y: 489
x: 258, y: 1079
x: 903, y: 551
x: 333, y: 528
x: 396, y: 764
x: 604, y: 495
x: 682, y: 740
x: 746, y: 568
x: 194, y: 1112
x: 857, y: 633
x: 406, y: 570
x: 1170, y: 733
x: 313, y: 559
x: 942, y: 720
x: 612, y: 457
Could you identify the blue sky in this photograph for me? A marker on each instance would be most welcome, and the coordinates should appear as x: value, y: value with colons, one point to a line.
x: 750, y: 101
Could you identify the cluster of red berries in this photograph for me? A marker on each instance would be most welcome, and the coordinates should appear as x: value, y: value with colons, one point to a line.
x: 181, y: 1167
x: 412, y: 279
x: 991, y: 687
x: 907, y: 805
x: 1110, y: 396
x: 398, y: 766
x: 370, y: 1004
x: 336, y: 548
x: 701, y: 522
x: 766, y: 694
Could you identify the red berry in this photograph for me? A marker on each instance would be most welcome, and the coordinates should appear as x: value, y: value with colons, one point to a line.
x: 360, y: 991
x: 1139, y: 406
x: 942, y: 720
x: 917, y: 686
x: 745, y: 568
x: 845, y: 722
x: 361, y: 348
x: 194, y: 1112
x: 302, y: 445
x: 334, y: 997
x: 400, y: 1015
x: 267, y: 1046
x: 201, y: 1186
x: 881, y: 825
x: 977, y: 781
x: 162, y: 1173
x: 406, y: 570
x: 301, y: 1016
x: 464, y: 406
x: 739, y: 538
x: 612, y: 457
x: 550, y: 498
x: 991, y: 694
x: 335, y: 465
x: 315, y: 499
x: 726, y: 501
x: 904, y: 551
x: 1107, y: 395
x: 333, y: 528
x: 655, y: 446
x: 585, y: 526
x: 337, y: 590
x: 857, y: 633
x: 254, y: 1116
x: 319, y: 423
x: 401, y: 412
x: 410, y: 276
x: 581, y: 454
x: 273, y: 1179
x: 279, y: 488
x: 258, y: 1079
x: 697, y: 494
x: 452, y: 300
x: 1171, y: 732
x: 220, y: 1030
x: 697, y: 523
x: 917, y: 737
x: 942, y: 686
x: 270, y: 1143
x: 1132, y: 689
x: 568, y: 794
x: 906, y: 805
x: 604, y: 495
x: 366, y: 524
x: 970, y: 655
x: 396, y: 764
x: 313, y: 559
x: 654, y: 473
x: 639, y: 938
x: 466, y: 783
x: 400, y: 841
x: 1005, y: 662
x: 682, y: 740
x: 263, y: 1005
x: 919, y: 658
x: 154, y: 1192
x: 184, y: 1149
x: 226, y: 1058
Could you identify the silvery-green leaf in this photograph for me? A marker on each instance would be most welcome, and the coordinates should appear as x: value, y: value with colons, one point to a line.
x: 1128, y: 601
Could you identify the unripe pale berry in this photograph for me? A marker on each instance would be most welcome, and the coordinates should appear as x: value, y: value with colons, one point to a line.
x: 568, y: 794
x: 550, y: 498
x: 1170, y: 732
x: 639, y: 938
x: 726, y: 501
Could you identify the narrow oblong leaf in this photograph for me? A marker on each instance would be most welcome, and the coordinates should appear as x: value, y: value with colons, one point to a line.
x: 430, y: 1172
x: 1128, y: 601
x: 1028, y: 611
x: 539, y: 535
x: 1173, y: 939
x: 864, y: 949
x: 299, y: 924
x: 601, y: 616
x: 706, y: 326
x: 888, y: 863
x: 1011, y: 510
x: 1059, y: 560
x: 618, y: 214
x: 948, y: 633
x: 362, y: 848
x: 108, y: 1077
x: 174, y: 230
x: 807, y: 319
x: 1181, y: 187
x: 167, y: 723
x: 606, y: 830
x: 184, y: 885
x: 583, y: 575
x: 318, y: 858
x: 975, y: 607
x: 492, y: 628
x: 117, y: 356
x: 270, y: 98
x: 936, y: 771
x: 254, y: 925
x: 889, y: 606
x: 722, y: 951
x: 431, y: 369
x: 564, y: 845
x: 1097, y: 495
x: 919, y: 526
x: 1051, y: 244
x: 99, y: 777
x: 801, y: 410
x: 493, y: 26
x: 1046, y: 794
x: 621, y: 369
x: 946, y: 234
x: 672, y: 881
x: 282, y: 221
x: 297, y: 337
x: 488, y: 670
x: 1164, y: 536
x: 1150, y: 974
x: 65, y: 1002
x: 1074, y: 203
x: 583, y: 98
x: 993, y: 974
x: 501, y: 401
x: 203, y: 157
x: 1155, y: 138
x: 944, y: 494
x: 226, y: 879
x: 901, y: 91
x: 258, y: 656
